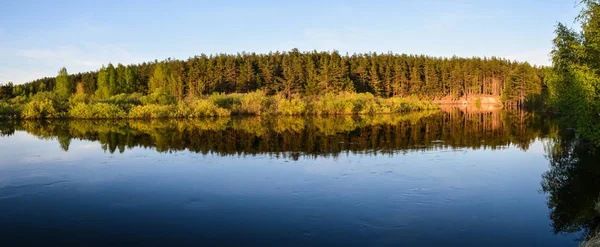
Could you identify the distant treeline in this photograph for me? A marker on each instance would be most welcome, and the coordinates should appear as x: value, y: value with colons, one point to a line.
x: 296, y: 73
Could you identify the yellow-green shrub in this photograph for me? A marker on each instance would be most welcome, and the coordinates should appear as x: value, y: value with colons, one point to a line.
x: 158, y: 97
x: 96, y: 111
x: 152, y: 111
x: 227, y: 101
x: 290, y: 107
x: 207, y: 108
x: 254, y: 103
x: 45, y: 105
x: 331, y: 104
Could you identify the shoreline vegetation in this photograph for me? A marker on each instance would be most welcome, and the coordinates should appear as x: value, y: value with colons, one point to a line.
x: 50, y: 105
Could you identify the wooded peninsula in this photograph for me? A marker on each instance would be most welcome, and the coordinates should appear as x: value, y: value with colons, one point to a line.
x: 322, y: 83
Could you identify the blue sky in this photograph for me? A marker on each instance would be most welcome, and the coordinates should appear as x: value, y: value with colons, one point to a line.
x: 39, y: 37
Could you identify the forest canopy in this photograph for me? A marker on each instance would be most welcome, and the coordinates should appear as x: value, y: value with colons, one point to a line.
x: 574, y: 84
x: 296, y: 73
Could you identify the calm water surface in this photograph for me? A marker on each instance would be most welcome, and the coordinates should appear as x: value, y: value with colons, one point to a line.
x: 447, y: 178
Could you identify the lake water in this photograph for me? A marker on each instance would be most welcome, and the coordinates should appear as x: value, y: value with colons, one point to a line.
x: 441, y: 178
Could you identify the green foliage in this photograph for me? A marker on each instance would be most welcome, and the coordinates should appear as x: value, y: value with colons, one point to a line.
x: 331, y: 104
x: 131, y: 80
x: 193, y: 109
x: 574, y: 86
x: 19, y: 100
x: 228, y: 101
x: 159, y: 96
x: 352, y: 103
x: 160, y: 78
x: 103, y: 85
x: 124, y: 101
x: 6, y: 91
x: 113, y: 83
x: 290, y: 107
x: 207, y: 108
x: 63, y: 85
x: 45, y: 105
x: 9, y: 111
x: 254, y: 103
x: 522, y: 82
x: 153, y: 111
x: 96, y: 111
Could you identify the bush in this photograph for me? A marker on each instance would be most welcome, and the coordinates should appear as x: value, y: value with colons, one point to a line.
x: 9, y: 111
x: 161, y: 104
x: 207, y: 108
x: 152, y: 111
x: 371, y: 107
x: 78, y: 98
x: 19, y: 100
x: 332, y: 104
x: 96, y: 111
x: 159, y: 97
x: 254, y: 103
x: 135, y: 99
x: 289, y: 107
x: 227, y: 101
x: 45, y: 105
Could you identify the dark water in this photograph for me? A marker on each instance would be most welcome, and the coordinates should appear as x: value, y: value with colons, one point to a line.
x: 446, y: 178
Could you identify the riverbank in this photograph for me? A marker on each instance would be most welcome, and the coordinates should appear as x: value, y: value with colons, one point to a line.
x: 161, y: 105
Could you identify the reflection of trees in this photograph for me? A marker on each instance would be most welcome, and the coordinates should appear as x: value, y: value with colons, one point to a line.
x: 293, y: 136
x: 573, y: 185
x: 6, y: 128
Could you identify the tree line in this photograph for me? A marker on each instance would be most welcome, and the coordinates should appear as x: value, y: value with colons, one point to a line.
x: 296, y: 73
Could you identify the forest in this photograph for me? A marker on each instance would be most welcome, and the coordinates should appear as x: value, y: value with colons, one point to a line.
x: 287, y: 83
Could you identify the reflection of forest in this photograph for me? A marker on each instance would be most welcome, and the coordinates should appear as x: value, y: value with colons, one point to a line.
x: 572, y: 182
x: 573, y: 187
x: 450, y: 128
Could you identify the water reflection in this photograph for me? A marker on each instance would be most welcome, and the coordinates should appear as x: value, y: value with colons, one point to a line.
x: 491, y: 193
x: 573, y: 186
x: 294, y: 136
